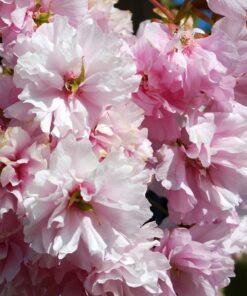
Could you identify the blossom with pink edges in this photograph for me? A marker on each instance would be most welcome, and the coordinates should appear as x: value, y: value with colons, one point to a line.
x: 123, y: 163
x: 195, y: 267
x: 203, y: 172
x: 75, y: 207
x: 68, y: 82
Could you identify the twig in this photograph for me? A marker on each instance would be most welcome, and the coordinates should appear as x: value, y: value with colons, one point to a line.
x: 187, y: 5
x: 164, y: 9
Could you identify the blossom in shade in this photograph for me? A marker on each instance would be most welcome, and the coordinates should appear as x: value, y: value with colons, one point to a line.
x: 8, y: 91
x: 12, y: 246
x: 8, y: 96
x: 20, y: 157
x: 240, y: 90
x: 31, y: 280
x: 8, y: 202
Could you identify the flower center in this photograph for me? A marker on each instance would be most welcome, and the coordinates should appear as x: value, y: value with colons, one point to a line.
x: 191, y: 162
x: 144, y: 81
x: 197, y: 165
x: 76, y: 200
x: 40, y: 17
x: 176, y: 271
x: 184, y: 40
x: 72, y: 84
x: 6, y: 71
x: 7, y: 234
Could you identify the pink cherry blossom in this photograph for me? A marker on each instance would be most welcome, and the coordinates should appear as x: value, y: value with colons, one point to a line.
x: 196, y: 268
x: 13, y: 13
x: 236, y: 243
x: 171, y: 81
x: 75, y: 206
x: 123, y: 163
x: 8, y: 202
x: 232, y: 9
x: 120, y: 127
x: 8, y: 92
x: 204, y: 171
x: 32, y: 281
x: 66, y: 81
x: 44, y: 275
x: 20, y: 158
x: 12, y: 247
x: 24, y: 16
x: 109, y: 18
x: 229, y: 235
x: 17, y: 13
x: 240, y: 90
x: 237, y: 32
x: 137, y: 271
x: 8, y: 96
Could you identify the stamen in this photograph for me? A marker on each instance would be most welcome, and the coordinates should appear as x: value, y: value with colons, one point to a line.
x: 72, y: 85
x: 41, y: 18
x: 7, y: 71
x: 77, y: 200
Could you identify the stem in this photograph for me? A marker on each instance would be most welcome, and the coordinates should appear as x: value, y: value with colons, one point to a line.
x: 202, y: 16
x: 201, y: 4
x: 187, y: 5
x: 164, y: 9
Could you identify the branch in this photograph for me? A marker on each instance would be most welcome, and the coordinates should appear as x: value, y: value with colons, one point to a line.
x: 187, y: 5
x: 164, y: 9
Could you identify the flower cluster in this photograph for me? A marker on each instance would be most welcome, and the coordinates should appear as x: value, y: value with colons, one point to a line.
x: 92, y: 117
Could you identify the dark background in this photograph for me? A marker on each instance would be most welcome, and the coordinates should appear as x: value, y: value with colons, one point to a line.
x: 141, y: 9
